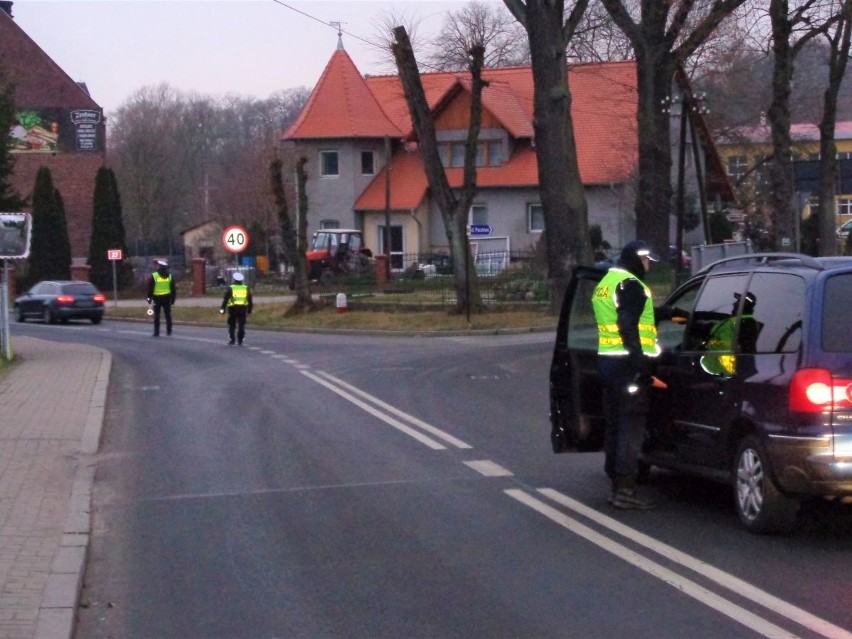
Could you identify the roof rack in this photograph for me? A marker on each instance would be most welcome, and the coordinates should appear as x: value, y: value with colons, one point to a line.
x: 765, y: 258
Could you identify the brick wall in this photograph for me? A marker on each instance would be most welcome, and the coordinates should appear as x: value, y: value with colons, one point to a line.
x: 74, y: 178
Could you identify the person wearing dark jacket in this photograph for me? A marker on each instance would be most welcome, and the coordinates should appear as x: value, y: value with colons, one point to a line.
x: 162, y: 293
x: 238, y: 302
x: 627, y: 344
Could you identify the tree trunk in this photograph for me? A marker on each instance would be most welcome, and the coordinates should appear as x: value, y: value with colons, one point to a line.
x: 293, y: 239
x: 453, y: 210
x: 563, y: 197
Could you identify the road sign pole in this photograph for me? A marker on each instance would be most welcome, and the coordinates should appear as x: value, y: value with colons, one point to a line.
x: 114, y: 286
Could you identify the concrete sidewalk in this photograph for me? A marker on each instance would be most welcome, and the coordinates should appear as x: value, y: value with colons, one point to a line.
x: 51, y: 413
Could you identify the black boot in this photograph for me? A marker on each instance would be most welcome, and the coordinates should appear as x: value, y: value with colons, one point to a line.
x: 625, y: 497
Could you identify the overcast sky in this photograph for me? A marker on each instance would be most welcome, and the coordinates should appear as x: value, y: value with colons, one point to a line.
x: 251, y: 48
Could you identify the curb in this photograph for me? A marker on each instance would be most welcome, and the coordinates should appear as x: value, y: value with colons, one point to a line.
x: 58, y: 609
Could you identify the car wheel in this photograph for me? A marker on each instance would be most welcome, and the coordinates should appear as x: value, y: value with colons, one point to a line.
x: 19, y: 314
x: 761, y: 507
x: 48, y: 315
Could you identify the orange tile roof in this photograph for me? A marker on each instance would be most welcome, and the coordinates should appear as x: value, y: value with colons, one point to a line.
x: 341, y: 106
x: 604, y: 99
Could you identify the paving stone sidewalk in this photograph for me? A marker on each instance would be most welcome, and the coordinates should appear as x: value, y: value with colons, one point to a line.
x: 51, y: 413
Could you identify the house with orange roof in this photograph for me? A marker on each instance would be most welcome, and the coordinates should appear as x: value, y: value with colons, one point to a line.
x: 356, y: 133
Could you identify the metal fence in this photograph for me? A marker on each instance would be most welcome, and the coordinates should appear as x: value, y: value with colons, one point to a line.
x: 426, y: 280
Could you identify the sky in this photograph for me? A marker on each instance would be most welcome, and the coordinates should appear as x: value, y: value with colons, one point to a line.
x: 250, y: 48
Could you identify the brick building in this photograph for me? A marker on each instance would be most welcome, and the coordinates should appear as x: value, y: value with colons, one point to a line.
x: 59, y: 126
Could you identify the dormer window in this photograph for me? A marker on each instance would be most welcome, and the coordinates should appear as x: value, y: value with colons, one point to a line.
x: 495, y: 153
x: 329, y: 166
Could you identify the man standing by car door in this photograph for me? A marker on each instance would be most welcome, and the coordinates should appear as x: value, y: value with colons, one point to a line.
x: 162, y: 293
x: 627, y: 340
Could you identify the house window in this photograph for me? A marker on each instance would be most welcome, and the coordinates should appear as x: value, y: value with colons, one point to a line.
x: 737, y: 167
x: 478, y: 214
x: 329, y: 164
x: 844, y: 156
x: 480, y: 154
x: 457, y: 154
x: 535, y: 218
x: 495, y: 153
x: 844, y: 206
x: 444, y: 152
x: 329, y: 224
x: 368, y: 166
x: 395, y: 247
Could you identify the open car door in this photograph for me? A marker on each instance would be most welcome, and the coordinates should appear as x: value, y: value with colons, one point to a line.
x: 576, y: 404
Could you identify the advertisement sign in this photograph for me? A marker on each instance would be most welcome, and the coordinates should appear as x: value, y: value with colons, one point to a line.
x: 15, y: 232
x: 57, y: 131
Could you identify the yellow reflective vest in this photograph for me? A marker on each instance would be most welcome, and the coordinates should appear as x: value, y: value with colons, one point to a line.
x: 606, y: 315
x: 239, y: 295
x: 162, y: 285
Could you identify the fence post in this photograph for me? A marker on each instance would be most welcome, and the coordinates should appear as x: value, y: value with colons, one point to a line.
x: 381, y: 272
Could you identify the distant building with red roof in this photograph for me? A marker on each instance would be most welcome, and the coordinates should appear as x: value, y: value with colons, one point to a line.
x: 345, y: 122
x: 59, y: 126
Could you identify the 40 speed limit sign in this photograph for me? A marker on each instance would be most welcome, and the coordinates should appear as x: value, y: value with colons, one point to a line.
x: 235, y: 239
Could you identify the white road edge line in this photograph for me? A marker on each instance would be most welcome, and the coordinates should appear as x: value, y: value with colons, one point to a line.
x: 428, y: 441
x: 726, y: 580
x: 437, y: 432
x: 682, y: 584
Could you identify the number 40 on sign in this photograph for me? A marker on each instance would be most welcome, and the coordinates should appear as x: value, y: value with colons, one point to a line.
x: 235, y: 239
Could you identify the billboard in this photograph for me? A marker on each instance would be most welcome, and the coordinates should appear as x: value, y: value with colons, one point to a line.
x: 57, y: 131
x: 15, y: 231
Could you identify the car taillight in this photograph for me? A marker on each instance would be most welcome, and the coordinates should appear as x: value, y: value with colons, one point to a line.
x: 99, y: 297
x: 65, y: 299
x: 814, y: 390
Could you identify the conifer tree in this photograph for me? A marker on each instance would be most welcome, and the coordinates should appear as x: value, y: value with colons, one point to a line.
x: 107, y: 233
x: 9, y: 199
x: 50, y: 255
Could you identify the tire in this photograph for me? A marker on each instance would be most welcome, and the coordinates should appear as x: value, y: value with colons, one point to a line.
x: 761, y: 507
x: 19, y: 314
x: 47, y: 314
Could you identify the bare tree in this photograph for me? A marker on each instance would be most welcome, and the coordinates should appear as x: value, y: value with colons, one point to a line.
x: 293, y: 237
x: 664, y: 36
x: 478, y: 24
x: 454, y: 208
x: 598, y: 38
x: 563, y: 197
x: 839, y: 37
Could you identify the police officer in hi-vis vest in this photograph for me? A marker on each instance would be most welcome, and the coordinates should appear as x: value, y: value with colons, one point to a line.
x: 627, y: 342
x: 162, y: 292
x: 238, y: 302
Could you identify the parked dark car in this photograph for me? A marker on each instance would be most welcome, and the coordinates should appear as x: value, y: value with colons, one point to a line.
x: 54, y: 301
x: 768, y: 411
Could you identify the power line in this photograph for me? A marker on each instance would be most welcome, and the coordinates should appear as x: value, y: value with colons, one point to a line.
x: 332, y: 25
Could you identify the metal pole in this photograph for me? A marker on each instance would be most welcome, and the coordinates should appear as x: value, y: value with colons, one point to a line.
x: 114, y: 286
x: 5, y: 331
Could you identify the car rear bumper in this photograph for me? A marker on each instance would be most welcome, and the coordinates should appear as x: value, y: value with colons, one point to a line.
x: 809, y: 466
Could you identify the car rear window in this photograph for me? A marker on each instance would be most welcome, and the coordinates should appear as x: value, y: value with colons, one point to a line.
x: 79, y: 289
x: 836, y: 311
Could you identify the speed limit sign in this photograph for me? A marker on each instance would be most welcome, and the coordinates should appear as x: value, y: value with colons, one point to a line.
x: 235, y: 239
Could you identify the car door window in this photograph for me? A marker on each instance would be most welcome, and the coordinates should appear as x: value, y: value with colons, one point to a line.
x: 670, y: 332
x: 778, y: 309
x: 582, y: 327
x: 715, y: 314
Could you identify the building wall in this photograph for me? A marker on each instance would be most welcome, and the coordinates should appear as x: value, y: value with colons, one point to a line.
x: 74, y: 177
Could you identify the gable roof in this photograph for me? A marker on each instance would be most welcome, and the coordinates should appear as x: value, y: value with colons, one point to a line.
x: 39, y: 81
x: 346, y: 105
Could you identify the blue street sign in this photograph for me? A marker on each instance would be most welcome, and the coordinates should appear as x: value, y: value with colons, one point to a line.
x: 479, y: 229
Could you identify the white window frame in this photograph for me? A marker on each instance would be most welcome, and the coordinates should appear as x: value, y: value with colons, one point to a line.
x: 322, y: 163
x: 530, y: 227
x: 481, y: 210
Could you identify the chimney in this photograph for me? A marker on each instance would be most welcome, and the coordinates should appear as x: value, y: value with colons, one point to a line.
x: 6, y: 7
